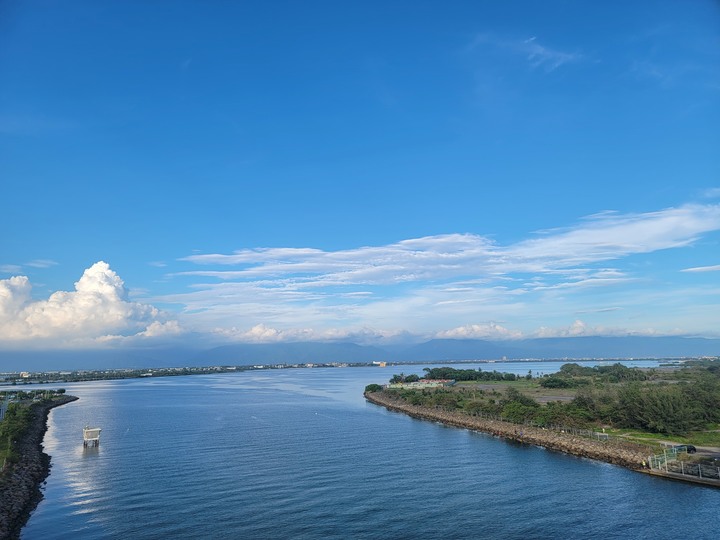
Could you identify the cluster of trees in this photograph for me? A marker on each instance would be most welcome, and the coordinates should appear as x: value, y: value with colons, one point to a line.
x: 610, y: 395
x: 18, y: 417
x: 467, y: 374
x: 614, y: 373
x: 576, y: 376
x: 673, y: 408
x: 21, y: 395
x: 16, y: 421
x: 402, y: 378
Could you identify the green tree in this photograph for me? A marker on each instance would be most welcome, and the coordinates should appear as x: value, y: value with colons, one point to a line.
x: 555, y: 382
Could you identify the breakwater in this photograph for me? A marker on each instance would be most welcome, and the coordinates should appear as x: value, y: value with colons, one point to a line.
x: 20, y: 482
x: 628, y: 455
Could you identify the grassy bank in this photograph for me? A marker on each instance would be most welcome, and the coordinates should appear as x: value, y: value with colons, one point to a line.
x: 18, y: 418
x: 27, y: 465
x: 617, y: 452
x: 12, y: 429
x: 647, y: 406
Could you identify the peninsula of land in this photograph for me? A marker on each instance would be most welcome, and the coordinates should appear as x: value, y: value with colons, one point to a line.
x: 625, y: 454
x: 21, y: 479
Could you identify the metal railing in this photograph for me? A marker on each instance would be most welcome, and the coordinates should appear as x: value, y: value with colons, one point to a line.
x: 669, y: 462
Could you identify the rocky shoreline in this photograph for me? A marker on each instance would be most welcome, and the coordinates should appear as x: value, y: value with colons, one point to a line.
x: 20, y: 484
x: 625, y: 454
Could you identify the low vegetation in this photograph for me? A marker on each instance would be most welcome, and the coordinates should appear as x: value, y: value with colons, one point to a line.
x: 683, y: 403
x: 17, y: 419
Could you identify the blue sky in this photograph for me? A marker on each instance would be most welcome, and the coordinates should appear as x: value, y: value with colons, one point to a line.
x: 371, y: 171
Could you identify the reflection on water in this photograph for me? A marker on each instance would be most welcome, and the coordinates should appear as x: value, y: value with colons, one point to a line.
x: 300, y: 454
x: 91, y: 451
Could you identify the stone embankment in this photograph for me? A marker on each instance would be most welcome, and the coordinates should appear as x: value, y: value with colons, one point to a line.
x: 20, y: 482
x: 620, y: 453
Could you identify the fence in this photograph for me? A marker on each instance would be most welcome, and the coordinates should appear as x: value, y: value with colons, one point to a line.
x: 597, y: 435
x: 669, y: 462
x: 660, y: 461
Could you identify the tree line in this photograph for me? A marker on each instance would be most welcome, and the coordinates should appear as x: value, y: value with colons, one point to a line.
x: 467, y: 374
x: 673, y: 403
x: 16, y: 421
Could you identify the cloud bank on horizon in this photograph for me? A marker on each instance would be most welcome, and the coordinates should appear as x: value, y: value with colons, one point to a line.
x: 457, y: 286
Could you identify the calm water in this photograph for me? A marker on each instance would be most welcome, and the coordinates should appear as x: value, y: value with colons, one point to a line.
x: 300, y: 454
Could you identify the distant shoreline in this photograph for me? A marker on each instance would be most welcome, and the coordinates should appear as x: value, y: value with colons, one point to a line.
x: 20, y: 485
x: 628, y: 455
x: 13, y: 380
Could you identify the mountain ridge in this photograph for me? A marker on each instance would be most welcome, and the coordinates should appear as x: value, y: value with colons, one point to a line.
x: 432, y: 351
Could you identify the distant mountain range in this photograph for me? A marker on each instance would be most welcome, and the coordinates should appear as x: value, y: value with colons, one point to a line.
x: 436, y: 350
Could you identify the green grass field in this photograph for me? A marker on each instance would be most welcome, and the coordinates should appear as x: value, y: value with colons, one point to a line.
x: 532, y: 388
x: 698, y: 438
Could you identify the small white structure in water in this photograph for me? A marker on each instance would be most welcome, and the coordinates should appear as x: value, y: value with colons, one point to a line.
x: 91, y: 436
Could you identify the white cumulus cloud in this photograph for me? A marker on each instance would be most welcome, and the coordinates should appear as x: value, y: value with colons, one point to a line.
x: 262, y: 333
x: 97, y: 308
x: 480, y: 331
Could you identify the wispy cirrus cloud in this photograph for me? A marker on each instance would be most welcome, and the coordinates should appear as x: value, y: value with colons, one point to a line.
x: 599, y: 238
x: 672, y: 56
x: 10, y: 268
x: 600, y: 310
x: 37, y: 263
x: 408, y: 260
x: 537, y: 55
x: 713, y: 268
x: 545, y: 57
x: 432, y: 282
x: 611, y: 236
x: 435, y: 286
x: 41, y: 263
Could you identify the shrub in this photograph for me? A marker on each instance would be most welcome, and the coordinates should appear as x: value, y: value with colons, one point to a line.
x: 555, y: 382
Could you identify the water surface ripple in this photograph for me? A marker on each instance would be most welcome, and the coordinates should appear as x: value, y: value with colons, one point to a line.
x: 300, y: 454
